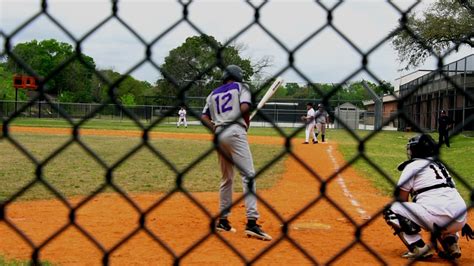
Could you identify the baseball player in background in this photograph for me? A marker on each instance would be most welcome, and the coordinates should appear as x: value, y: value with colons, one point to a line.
x: 226, y: 113
x: 309, y: 120
x: 182, y: 117
x: 322, y: 120
x: 436, y: 205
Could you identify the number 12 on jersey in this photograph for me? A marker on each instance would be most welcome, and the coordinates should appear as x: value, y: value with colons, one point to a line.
x: 222, y: 102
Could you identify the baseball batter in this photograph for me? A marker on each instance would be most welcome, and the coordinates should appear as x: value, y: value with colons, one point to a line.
x: 436, y: 205
x: 309, y: 120
x: 182, y: 117
x: 322, y: 120
x: 227, y: 113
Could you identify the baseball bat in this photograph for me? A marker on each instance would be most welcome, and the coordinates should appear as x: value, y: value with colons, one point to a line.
x: 273, y: 88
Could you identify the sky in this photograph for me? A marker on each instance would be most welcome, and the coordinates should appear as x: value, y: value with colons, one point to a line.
x: 325, y: 58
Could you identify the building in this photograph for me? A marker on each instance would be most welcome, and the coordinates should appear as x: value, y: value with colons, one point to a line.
x: 450, y: 88
x: 389, y: 108
x: 349, y: 114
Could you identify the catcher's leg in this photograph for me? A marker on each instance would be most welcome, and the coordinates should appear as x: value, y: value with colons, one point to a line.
x: 408, y: 232
x: 451, y: 249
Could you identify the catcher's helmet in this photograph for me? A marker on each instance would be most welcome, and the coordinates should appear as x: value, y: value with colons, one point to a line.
x: 232, y: 72
x: 422, y: 146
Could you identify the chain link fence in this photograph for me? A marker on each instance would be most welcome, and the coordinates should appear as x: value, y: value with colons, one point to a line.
x: 78, y: 114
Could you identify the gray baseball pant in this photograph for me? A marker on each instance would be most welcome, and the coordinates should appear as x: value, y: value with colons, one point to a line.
x: 234, y: 144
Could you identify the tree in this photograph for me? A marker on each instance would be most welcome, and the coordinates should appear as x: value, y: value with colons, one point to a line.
x: 43, y: 57
x: 129, y: 91
x: 444, y: 25
x: 197, y: 54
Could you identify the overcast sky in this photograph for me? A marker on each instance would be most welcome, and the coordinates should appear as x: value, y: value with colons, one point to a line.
x: 326, y: 58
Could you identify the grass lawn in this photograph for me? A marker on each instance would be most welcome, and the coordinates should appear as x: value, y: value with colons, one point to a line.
x: 387, y: 149
x: 73, y: 171
x: 143, y: 171
x: 6, y: 262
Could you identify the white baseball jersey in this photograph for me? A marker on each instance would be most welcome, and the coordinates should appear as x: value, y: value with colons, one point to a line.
x: 182, y: 113
x: 444, y: 201
x: 310, y: 116
x: 223, y: 104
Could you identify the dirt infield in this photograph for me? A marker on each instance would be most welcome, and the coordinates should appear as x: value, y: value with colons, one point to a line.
x: 320, y: 232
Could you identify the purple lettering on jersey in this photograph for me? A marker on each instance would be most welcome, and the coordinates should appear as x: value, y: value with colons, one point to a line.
x: 226, y: 87
x: 224, y: 105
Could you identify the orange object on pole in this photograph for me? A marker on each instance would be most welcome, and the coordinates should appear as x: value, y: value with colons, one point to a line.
x: 24, y: 82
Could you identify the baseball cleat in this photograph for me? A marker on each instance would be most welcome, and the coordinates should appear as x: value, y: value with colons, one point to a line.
x: 452, y: 252
x: 424, y: 252
x: 224, y: 226
x: 257, y: 232
x: 305, y: 142
x: 315, y: 142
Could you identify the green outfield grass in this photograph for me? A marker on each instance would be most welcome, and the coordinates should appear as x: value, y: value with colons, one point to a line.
x: 74, y: 172
x: 387, y: 149
x: 127, y: 124
x: 6, y: 262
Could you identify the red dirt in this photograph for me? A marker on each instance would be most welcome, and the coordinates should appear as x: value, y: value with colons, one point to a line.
x: 321, y: 231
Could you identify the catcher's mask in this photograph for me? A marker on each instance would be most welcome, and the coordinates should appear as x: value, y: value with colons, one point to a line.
x: 232, y: 72
x: 421, y: 146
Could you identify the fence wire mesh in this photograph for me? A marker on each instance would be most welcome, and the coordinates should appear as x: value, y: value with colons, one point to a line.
x: 109, y: 183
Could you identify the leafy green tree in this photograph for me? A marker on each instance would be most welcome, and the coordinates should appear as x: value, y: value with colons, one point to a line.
x: 444, y: 25
x: 45, y: 56
x: 194, y: 62
x: 127, y: 99
x: 129, y: 90
x: 291, y: 88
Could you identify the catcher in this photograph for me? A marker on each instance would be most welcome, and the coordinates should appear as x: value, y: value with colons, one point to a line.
x: 436, y: 205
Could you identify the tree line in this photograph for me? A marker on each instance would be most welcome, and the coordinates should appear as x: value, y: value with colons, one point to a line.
x: 189, y: 70
x: 192, y: 70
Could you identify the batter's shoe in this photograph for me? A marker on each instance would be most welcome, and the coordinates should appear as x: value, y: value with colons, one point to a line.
x: 257, y: 232
x: 224, y: 226
x: 418, y: 253
x: 315, y: 142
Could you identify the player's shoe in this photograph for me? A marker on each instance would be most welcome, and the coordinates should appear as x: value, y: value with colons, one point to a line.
x: 257, y: 232
x: 224, y: 226
x: 424, y: 252
x: 451, y: 252
x: 305, y: 142
x: 315, y: 142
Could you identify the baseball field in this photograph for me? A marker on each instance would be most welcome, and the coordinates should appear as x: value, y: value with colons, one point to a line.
x: 131, y: 209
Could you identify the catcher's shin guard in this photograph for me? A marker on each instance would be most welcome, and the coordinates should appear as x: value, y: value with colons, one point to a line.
x: 403, y: 227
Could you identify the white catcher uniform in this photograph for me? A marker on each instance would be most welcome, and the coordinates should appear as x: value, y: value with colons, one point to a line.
x: 439, y: 205
x: 182, y: 118
x: 223, y: 107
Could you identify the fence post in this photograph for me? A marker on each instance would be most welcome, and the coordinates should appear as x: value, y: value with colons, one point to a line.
x: 378, y: 106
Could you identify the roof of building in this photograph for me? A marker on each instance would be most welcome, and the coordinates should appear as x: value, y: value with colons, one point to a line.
x: 386, y: 99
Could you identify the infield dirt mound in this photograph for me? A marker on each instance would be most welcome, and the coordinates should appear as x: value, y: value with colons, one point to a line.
x: 320, y: 232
